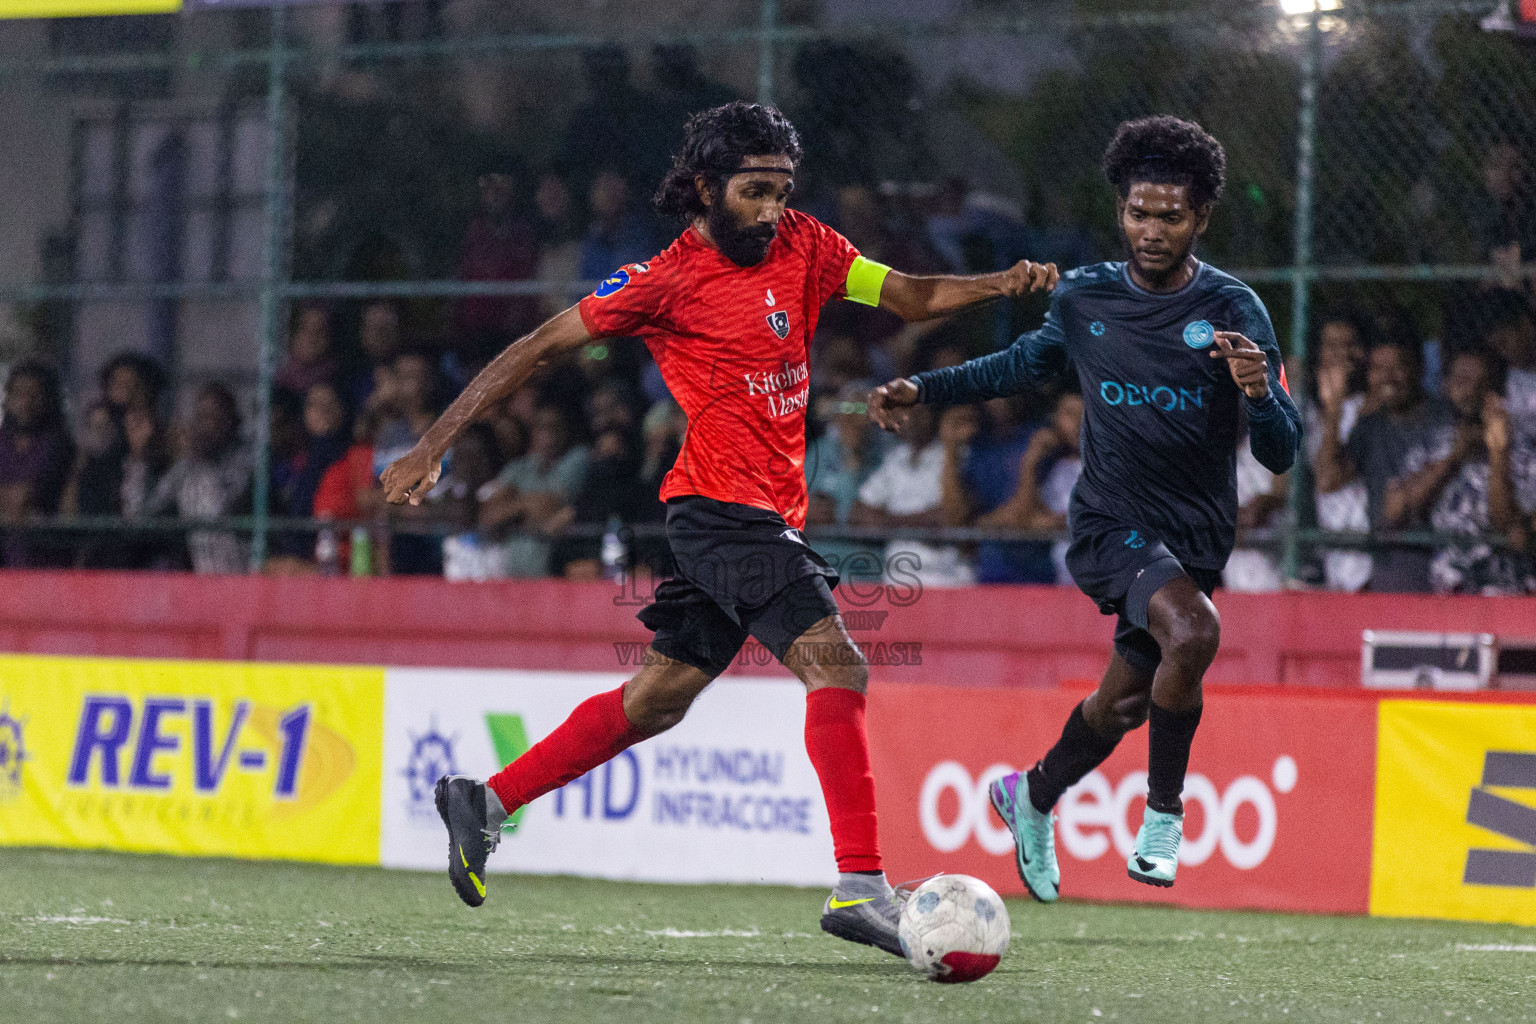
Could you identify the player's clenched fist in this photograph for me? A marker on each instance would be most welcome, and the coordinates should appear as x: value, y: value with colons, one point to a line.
x: 888, y: 402
x: 1250, y: 368
x: 1028, y: 276
x: 411, y: 476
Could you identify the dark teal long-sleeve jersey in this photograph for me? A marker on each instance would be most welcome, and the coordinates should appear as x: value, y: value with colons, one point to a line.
x: 1162, y: 419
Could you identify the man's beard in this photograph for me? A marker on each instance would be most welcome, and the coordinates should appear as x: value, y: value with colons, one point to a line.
x: 1158, y: 277
x: 745, y: 247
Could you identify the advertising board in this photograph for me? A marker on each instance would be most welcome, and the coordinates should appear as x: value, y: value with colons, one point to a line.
x: 1278, y: 795
x: 727, y: 796
x: 197, y: 758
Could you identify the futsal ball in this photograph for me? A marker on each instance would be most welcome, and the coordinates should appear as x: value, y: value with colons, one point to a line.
x: 954, y: 928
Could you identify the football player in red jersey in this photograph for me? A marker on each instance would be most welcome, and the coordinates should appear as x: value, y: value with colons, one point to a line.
x: 728, y: 312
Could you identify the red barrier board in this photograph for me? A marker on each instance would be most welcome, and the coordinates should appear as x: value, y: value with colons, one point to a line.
x: 1277, y: 802
x: 995, y: 636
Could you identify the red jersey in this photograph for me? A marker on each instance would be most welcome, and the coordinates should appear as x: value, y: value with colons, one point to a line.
x: 733, y: 344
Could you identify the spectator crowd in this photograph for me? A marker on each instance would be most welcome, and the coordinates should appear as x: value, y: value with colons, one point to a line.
x: 1428, y: 445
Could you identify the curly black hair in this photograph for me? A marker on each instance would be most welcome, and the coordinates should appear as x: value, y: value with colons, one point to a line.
x: 1166, y: 150
x: 714, y: 143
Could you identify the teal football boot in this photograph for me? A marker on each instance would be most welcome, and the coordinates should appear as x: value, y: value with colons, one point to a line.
x: 1156, y: 858
x: 1034, y: 835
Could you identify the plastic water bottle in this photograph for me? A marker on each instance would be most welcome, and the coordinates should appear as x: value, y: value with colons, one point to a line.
x: 613, y: 550
x: 327, y: 552
x: 362, y: 551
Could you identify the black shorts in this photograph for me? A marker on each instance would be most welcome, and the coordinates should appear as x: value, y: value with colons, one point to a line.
x: 1120, y: 567
x: 741, y: 571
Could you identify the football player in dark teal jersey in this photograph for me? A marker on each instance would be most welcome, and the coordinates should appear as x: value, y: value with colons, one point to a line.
x: 1176, y: 360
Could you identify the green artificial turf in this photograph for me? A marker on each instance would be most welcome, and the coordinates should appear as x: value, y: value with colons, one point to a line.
x: 104, y: 937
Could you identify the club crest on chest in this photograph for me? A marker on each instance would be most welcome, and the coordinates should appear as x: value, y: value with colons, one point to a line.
x: 778, y: 321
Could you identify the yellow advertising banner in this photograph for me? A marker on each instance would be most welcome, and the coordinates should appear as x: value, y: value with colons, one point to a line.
x: 196, y: 758
x: 77, y: 8
x: 1455, y: 832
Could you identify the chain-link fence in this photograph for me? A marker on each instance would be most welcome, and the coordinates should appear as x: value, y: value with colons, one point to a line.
x: 179, y: 185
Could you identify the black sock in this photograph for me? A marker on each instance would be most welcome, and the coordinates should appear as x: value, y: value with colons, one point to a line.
x: 1079, y: 751
x: 1170, y: 734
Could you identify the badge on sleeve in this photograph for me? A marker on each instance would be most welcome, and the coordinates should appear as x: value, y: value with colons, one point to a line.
x: 615, y: 281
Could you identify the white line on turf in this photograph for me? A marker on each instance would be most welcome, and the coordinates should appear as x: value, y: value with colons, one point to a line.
x: 724, y: 933
x: 73, y: 919
x: 1496, y: 947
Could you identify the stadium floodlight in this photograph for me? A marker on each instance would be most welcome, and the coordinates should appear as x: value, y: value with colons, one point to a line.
x: 1300, y: 14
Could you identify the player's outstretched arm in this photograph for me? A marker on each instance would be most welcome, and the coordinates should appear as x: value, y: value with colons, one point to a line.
x: 916, y: 298
x: 410, y: 477
x: 1034, y: 359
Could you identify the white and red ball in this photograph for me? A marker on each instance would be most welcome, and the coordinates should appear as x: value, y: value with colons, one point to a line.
x: 954, y: 928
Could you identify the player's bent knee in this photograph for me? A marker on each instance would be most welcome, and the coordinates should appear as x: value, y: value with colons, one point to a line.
x: 825, y: 655
x: 662, y: 719
x: 843, y: 666
x: 656, y: 701
x: 1115, y: 721
x: 1194, y: 635
x: 657, y: 712
x: 1131, y: 713
x: 856, y: 676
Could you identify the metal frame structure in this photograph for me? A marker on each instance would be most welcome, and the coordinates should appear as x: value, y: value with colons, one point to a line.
x: 275, y: 288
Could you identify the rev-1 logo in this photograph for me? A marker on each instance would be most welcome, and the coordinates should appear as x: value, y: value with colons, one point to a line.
x: 13, y: 752
x: 1161, y: 397
x: 106, y: 732
x: 1514, y: 869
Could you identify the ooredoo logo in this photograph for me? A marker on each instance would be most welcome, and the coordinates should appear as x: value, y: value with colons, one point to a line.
x: 1095, y: 814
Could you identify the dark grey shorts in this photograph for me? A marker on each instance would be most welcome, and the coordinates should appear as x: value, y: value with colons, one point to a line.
x: 1121, y: 567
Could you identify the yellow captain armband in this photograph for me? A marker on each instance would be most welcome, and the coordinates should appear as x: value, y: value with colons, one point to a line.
x: 864, y: 280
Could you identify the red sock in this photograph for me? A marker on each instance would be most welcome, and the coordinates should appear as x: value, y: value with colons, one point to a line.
x: 834, y: 737
x: 592, y: 735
